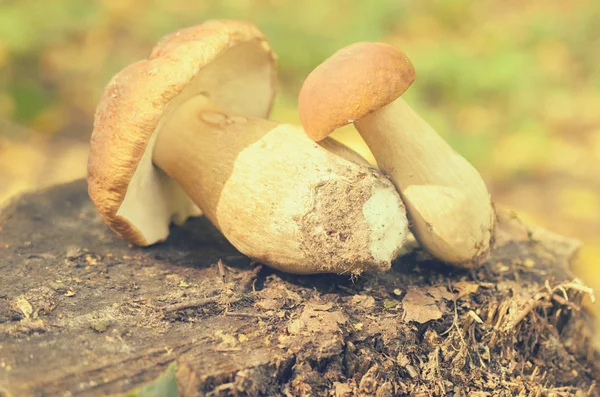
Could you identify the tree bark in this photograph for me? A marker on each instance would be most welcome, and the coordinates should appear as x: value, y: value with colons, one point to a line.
x: 84, y: 314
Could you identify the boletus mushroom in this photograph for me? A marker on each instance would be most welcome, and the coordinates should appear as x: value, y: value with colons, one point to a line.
x: 451, y: 214
x: 185, y: 131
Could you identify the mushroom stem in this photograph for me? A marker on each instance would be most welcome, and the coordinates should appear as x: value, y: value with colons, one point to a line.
x: 277, y: 196
x: 447, y: 200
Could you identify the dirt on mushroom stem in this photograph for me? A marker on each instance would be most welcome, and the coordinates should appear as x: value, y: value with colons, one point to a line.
x: 446, y: 198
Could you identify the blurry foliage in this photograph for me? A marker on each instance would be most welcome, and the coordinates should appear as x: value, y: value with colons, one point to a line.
x: 513, y: 85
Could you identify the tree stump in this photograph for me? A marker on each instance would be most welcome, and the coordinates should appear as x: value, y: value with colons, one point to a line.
x: 84, y: 314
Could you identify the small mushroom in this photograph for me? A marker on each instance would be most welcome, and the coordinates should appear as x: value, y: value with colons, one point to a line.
x: 447, y: 201
x: 184, y: 130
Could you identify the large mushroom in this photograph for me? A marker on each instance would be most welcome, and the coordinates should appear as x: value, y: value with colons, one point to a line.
x: 447, y: 201
x: 184, y: 130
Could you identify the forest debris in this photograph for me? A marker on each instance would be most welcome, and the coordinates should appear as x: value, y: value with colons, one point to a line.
x: 295, y: 326
x: 314, y: 319
x: 465, y: 288
x: 251, y: 315
x: 221, y: 269
x: 577, y: 285
x: 412, y: 371
x: 385, y: 390
x: 183, y: 284
x: 74, y: 252
x: 528, y: 262
x: 430, y: 371
x: 364, y: 302
x: 440, y: 293
x: 475, y: 317
x: 100, y: 326
x: 35, y: 301
x: 321, y: 307
x: 544, y: 298
x: 227, y: 341
x: 343, y: 389
x: 390, y: 304
x: 25, y: 326
x: 91, y: 260
x: 276, y: 298
x: 22, y: 306
x: 402, y: 359
x: 420, y: 307
x: 368, y: 383
x: 190, y: 304
x: 269, y: 304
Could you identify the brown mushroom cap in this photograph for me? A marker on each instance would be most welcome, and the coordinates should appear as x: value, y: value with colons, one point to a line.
x: 230, y: 62
x: 355, y: 81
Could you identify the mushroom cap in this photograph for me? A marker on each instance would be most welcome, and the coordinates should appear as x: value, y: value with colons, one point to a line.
x: 231, y: 62
x: 354, y: 82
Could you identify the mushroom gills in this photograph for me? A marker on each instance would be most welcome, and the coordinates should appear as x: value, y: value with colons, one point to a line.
x: 279, y: 197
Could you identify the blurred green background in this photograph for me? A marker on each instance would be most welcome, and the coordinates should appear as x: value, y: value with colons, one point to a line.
x: 513, y: 85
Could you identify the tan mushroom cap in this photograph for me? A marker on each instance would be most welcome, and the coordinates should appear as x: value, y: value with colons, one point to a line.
x: 355, y: 81
x: 231, y: 62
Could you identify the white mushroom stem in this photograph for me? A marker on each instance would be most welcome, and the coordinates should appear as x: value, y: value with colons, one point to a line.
x: 447, y: 200
x: 277, y: 196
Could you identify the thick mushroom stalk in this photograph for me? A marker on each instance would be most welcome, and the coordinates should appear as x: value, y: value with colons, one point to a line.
x: 279, y: 197
x: 448, y: 203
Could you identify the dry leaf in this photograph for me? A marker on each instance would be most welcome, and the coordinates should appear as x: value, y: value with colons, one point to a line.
x: 22, y: 305
x: 440, y: 293
x: 314, y: 319
x: 420, y: 307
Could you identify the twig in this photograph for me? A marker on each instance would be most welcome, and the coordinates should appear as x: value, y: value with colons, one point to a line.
x: 532, y: 304
x: 221, y: 268
x: 578, y: 286
x: 253, y: 315
x: 190, y: 304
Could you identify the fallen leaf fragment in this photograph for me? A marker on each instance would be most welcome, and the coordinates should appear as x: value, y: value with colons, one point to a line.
x: 420, y: 307
x: 22, y: 305
x: 440, y: 293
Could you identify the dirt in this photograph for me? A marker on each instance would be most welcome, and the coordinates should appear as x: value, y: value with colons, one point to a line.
x: 84, y: 314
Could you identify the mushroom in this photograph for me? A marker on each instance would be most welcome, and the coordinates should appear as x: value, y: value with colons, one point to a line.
x: 185, y: 130
x: 447, y: 201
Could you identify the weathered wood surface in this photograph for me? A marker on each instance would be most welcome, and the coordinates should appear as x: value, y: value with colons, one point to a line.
x: 84, y: 314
